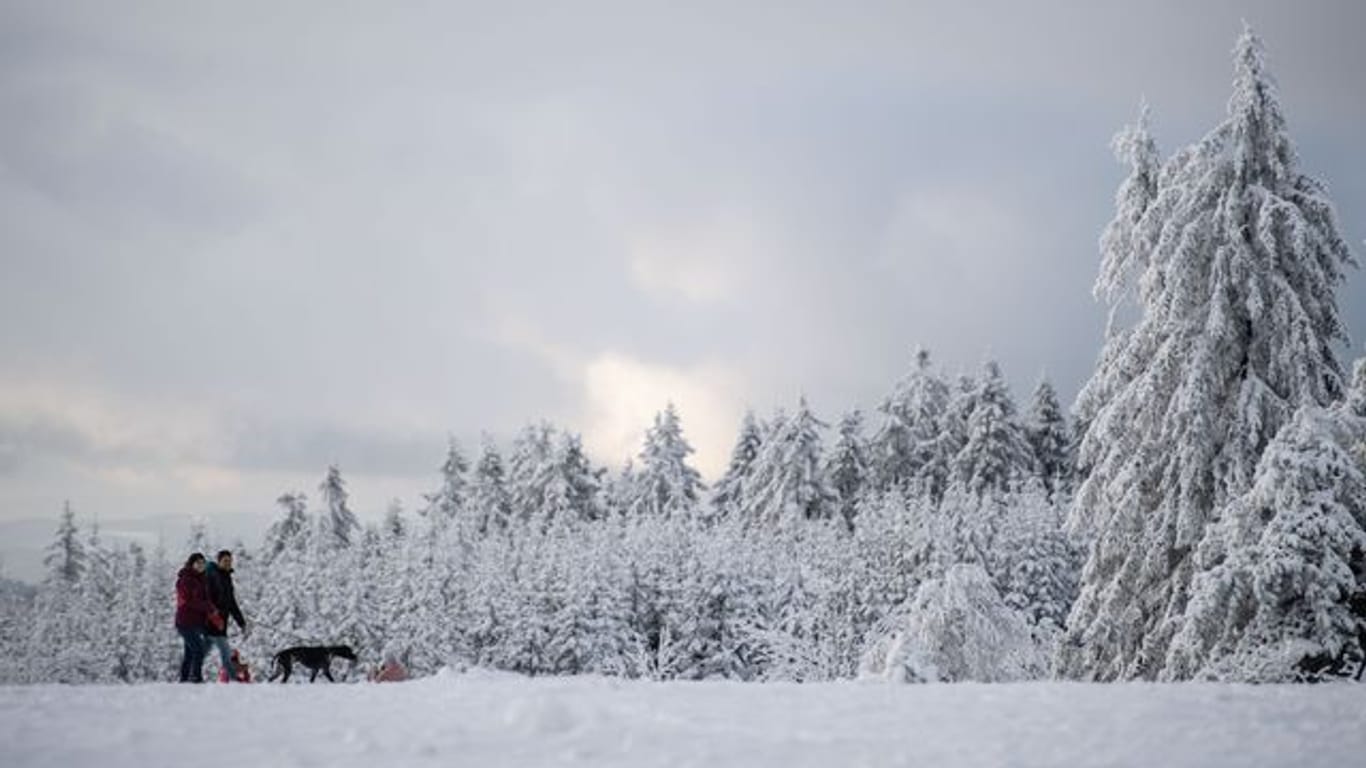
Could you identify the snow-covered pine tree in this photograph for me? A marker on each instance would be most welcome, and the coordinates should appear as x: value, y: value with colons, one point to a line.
x: 91, y: 645
x: 66, y: 558
x: 359, y: 621
x: 160, y: 649
x: 996, y: 451
x: 1123, y: 255
x: 284, y: 603
x: 448, y: 502
x: 619, y: 490
x: 395, y: 525
x: 719, y: 603
x: 848, y: 472
x: 806, y: 627
x: 665, y: 484
x: 57, y: 644
x: 1049, y: 436
x: 16, y: 621
x: 339, y: 524
x: 530, y: 468
x: 909, y: 444
x: 1241, y: 257
x: 123, y: 629
x: 1124, y: 260
x: 574, y: 486
x: 1033, y: 563
x: 482, y: 619
x: 1278, y: 570
x: 657, y: 577
x: 729, y: 492
x: 788, y: 483
x: 893, y: 548
x: 488, y: 490
x: 286, y: 533
x: 953, y: 428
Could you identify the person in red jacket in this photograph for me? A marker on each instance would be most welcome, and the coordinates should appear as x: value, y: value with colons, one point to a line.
x: 192, y: 612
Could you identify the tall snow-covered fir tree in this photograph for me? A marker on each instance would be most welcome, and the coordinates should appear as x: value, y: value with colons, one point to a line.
x: 665, y: 484
x: 58, y: 644
x: 1124, y: 256
x: 286, y: 533
x: 573, y: 485
x: 910, y: 442
x: 66, y: 557
x: 1241, y: 257
x: 729, y: 492
x: 489, y: 491
x: 953, y: 429
x: 530, y: 467
x: 339, y: 524
x: 1124, y: 262
x: 1049, y: 436
x: 788, y: 479
x: 848, y: 472
x: 395, y: 525
x: 448, y: 502
x: 996, y: 451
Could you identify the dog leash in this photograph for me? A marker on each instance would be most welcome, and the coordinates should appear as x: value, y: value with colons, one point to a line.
x: 279, y: 631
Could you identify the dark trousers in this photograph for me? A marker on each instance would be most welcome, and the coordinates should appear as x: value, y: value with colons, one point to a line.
x: 192, y: 663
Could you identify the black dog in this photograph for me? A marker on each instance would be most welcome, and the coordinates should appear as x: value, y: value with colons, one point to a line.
x: 316, y: 657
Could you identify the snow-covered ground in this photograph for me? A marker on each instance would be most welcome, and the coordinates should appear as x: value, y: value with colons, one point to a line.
x: 494, y: 720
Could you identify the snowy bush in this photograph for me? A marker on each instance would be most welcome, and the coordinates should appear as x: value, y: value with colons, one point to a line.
x: 956, y: 629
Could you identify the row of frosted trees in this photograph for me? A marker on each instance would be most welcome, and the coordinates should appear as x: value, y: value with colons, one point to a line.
x: 544, y: 564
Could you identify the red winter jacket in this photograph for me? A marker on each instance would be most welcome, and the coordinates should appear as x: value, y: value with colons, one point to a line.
x: 192, y: 604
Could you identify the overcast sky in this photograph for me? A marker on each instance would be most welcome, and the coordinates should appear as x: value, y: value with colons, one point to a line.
x: 239, y: 241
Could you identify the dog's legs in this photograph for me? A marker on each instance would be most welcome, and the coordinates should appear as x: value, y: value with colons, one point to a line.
x: 327, y: 673
x: 313, y: 677
x: 289, y: 667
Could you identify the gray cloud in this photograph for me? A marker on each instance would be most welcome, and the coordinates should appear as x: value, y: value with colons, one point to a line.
x: 310, y: 450
x: 240, y: 242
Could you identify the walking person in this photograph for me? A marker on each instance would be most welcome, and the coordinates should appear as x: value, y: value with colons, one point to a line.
x: 224, y: 599
x: 192, y: 609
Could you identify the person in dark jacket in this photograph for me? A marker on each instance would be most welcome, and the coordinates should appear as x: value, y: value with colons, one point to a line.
x: 224, y: 599
x: 192, y: 609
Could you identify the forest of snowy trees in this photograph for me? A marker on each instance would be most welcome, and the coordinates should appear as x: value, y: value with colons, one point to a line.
x: 541, y: 563
x: 1202, y: 514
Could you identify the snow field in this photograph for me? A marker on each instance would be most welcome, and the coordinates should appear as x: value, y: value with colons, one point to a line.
x: 486, y: 719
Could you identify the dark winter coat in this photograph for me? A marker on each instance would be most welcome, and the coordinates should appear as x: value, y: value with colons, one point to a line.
x: 224, y: 598
x: 192, y: 606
